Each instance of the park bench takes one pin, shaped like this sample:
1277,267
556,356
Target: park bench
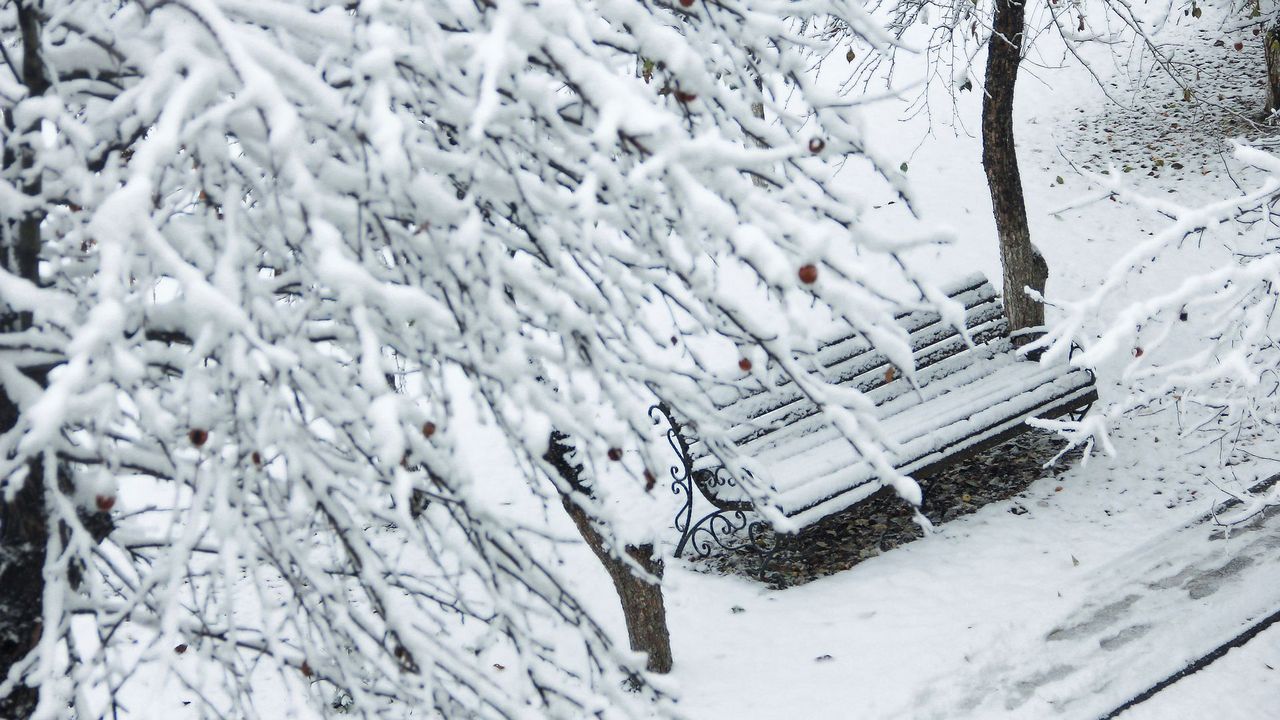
966,398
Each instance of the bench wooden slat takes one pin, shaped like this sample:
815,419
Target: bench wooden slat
932,342
869,378
990,392
964,397
932,439
923,327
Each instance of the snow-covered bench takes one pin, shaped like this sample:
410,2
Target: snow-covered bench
966,398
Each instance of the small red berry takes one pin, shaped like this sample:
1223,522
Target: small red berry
686,3
428,429
105,502
305,669
745,365
816,145
808,274
256,458
180,648
1137,352
1239,45
615,454
197,436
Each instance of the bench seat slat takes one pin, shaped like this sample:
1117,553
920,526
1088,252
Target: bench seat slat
840,500
813,462
921,434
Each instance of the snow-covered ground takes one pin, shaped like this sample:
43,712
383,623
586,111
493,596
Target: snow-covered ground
1096,593
1242,684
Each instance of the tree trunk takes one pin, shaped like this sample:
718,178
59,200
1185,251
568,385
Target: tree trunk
643,607
1271,49
24,530
1023,265
23,539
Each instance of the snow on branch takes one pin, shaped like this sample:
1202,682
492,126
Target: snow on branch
278,245
1206,342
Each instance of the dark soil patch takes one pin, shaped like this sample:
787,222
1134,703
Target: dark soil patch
1175,127
883,521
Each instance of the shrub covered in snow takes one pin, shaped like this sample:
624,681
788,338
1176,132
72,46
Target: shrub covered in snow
258,251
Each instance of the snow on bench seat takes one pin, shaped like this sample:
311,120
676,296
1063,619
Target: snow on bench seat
965,398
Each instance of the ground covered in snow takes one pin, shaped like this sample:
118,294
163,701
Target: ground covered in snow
1097,591
1242,684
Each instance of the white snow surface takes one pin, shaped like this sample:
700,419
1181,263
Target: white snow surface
1242,684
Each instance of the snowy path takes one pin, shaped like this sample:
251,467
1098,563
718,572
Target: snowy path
1242,684
1150,614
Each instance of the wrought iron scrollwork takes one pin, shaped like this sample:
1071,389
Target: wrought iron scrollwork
1080,413
725,525
723,528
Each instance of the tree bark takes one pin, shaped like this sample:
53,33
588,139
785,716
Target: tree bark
1271,49
1023,265
643,607
24,535
24,530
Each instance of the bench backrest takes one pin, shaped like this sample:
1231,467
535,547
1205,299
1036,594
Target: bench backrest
852,361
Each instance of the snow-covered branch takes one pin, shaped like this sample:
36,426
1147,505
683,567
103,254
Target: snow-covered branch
280,243
1207,343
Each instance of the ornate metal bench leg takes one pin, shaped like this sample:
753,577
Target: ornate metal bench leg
721,527
681,477
684,516
1079,414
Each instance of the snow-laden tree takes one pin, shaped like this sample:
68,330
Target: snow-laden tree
954,34
1208,345
256,253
